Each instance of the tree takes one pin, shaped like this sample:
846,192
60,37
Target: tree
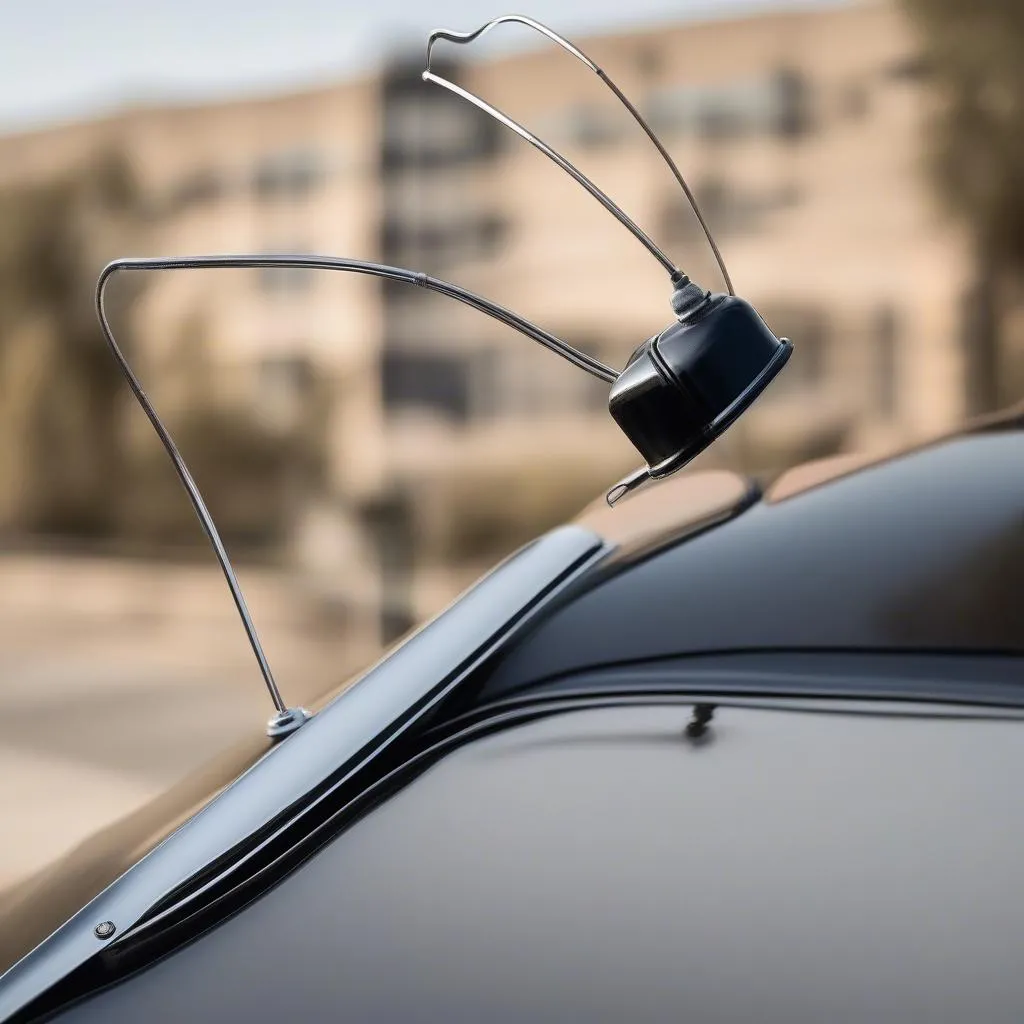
974,50
55,236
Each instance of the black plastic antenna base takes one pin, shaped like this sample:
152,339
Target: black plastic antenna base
684,387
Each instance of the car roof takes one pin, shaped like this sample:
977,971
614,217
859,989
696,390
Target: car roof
598,865
922,551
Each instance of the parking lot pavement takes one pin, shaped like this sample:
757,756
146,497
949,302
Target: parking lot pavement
119,677
116,681
81,752
50,803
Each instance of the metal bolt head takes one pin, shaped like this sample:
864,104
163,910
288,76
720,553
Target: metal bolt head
698,724
104,929
287,721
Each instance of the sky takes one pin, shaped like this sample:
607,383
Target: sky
65,59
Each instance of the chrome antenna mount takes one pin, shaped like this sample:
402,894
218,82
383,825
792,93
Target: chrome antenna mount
287,719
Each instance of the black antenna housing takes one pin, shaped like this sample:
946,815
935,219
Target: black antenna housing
682,388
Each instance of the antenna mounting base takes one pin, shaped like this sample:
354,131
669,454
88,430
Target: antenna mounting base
287,721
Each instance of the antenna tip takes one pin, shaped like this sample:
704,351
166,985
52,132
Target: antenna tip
617,492
627,484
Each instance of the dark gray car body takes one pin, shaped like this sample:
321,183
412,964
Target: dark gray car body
526,829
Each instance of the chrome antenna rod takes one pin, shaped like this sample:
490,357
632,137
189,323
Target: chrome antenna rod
616,211
285,719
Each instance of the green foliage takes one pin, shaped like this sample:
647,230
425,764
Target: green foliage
55,235
251,479
67,464
975,52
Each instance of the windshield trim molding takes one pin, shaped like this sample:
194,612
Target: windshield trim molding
355,726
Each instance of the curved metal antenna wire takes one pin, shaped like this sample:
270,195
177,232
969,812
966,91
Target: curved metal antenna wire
288,718
609,204
468,37
649,132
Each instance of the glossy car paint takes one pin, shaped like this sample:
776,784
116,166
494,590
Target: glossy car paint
914,559
363,720
924,552
793,865
35,908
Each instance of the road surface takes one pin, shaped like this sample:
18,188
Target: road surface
118,678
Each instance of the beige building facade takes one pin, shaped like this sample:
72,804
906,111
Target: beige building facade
801,133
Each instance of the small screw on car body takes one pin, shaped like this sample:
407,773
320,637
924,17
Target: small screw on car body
698,724
104,929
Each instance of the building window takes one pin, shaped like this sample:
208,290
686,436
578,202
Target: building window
649,61
792,104
424,129
589,395
808,327
507,384
285,280
854,101
450,241
779,106
433,381
490,235
887,340
396,293
727,208
679,226
288,174
585,126
285,385
201,187
912,67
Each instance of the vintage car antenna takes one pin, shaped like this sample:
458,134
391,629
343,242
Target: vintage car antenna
287,719
613,208
682,388
677,393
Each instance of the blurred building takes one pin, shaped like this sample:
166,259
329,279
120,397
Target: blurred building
802,136
800,132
